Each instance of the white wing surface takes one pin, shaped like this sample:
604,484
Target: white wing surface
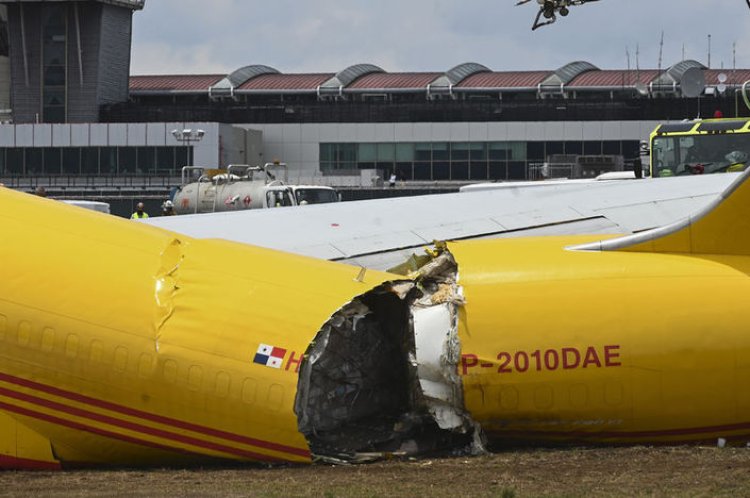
378,233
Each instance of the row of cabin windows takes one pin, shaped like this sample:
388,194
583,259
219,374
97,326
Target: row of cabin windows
47,340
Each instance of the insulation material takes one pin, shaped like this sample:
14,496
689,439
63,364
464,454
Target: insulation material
355,382
381,377
435,334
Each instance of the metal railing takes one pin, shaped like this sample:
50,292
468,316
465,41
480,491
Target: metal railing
93,182
313,111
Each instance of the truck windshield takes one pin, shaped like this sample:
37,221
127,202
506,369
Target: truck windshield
315,196
698,154
279,198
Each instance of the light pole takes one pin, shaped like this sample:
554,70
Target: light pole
187,137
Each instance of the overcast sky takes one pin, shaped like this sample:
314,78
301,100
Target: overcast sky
219,36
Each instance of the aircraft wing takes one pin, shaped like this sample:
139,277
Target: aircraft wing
379,233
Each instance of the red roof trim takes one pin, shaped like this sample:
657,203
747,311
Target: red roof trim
174,83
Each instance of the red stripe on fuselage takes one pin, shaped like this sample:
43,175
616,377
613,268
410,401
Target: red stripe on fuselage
13,463
584,435
206,431
85,428
131,426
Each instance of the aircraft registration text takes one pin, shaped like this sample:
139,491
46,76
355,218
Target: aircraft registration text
568,358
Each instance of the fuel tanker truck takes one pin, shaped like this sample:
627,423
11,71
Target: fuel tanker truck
240,187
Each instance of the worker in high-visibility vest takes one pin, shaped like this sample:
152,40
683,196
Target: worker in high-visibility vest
139,212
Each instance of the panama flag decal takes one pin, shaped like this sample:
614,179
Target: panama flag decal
269,356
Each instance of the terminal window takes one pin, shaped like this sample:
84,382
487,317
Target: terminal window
75,161
462,161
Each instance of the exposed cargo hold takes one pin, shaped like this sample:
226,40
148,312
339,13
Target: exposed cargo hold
241,187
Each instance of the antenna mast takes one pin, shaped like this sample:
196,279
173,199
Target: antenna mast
661,48
630,74
638,62
638,57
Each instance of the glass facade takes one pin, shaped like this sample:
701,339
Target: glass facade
4,46
94,160
469,161
54,63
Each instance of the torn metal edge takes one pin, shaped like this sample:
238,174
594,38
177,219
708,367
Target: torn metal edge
433,299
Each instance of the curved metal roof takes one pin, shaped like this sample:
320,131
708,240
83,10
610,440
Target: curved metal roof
465,78
243,75
678,70
457,74
346,77
673,75
568,72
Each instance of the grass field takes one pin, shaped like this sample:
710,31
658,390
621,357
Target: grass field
680,471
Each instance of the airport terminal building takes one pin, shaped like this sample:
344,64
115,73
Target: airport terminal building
74,118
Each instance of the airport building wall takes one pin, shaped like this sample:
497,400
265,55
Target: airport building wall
5,113
318,152
443,151
54,150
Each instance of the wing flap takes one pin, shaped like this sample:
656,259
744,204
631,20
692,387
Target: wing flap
722,227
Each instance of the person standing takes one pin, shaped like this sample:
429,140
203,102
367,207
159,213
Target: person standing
139,214
167,209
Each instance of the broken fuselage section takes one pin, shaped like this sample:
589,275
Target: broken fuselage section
151,363
129,345
381,377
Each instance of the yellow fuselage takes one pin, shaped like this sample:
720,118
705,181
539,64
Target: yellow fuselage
604,347
124,344
129,345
